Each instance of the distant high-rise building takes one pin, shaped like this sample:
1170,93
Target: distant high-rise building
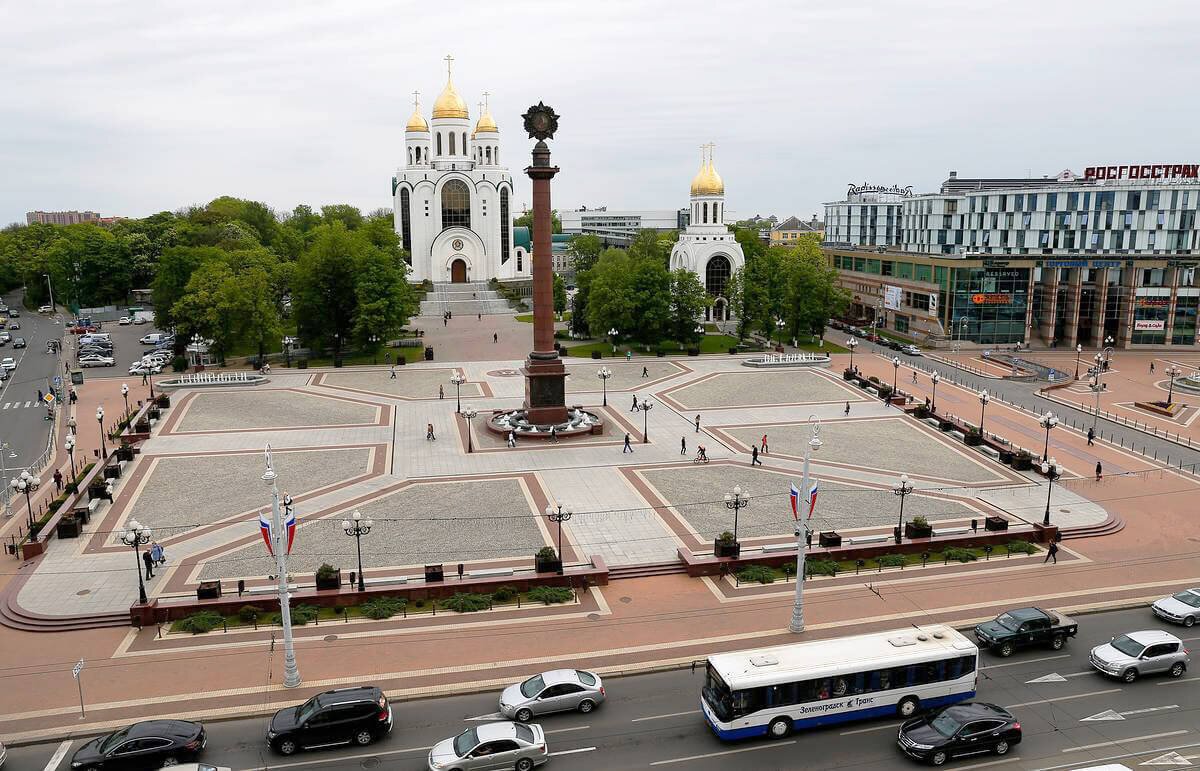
62,217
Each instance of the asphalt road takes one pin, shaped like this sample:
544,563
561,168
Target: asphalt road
652,721
23,423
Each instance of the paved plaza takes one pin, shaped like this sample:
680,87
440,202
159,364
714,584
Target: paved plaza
409,382
240,410
743,387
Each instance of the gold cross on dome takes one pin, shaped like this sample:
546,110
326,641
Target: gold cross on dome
417,100
486,94
449,61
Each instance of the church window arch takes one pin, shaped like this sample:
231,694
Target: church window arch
410,157
496,156
453,137
504,225
488,153
456,203
439,144
705,209
464,143
716,275
405,224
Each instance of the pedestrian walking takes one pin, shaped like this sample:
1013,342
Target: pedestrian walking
645,372
1091,437
764,444
156,553
1052,553
914,376
1099,471
495,337
512,439
58,479
149,563
40,394
635,404
445,321
393,375
429,437
75,396
629,355
481,317
683,445
628,447
441,393
847,408
697,422
143,383
754,456
1151,368
554,434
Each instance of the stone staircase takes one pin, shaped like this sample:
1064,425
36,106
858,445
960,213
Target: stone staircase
467,299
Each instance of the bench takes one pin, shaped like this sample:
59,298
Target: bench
990,451
934,422
778,547
863,539
490,572
958,435
270,589
93,505
873,391
385,581
952,530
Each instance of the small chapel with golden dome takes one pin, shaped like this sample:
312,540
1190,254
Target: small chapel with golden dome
453,199
706,247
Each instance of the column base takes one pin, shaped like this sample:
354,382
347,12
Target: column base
545,389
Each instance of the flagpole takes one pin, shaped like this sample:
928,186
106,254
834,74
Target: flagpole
797,623
291,673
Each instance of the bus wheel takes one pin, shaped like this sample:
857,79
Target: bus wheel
908,706
779,728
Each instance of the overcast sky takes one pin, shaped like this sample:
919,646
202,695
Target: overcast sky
130,108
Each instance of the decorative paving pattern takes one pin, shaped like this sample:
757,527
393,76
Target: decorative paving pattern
737,389
695,493
424,523
408,384
883,444
190,490
625,377
242,410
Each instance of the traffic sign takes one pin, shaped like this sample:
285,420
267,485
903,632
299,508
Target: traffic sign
58,380
75,670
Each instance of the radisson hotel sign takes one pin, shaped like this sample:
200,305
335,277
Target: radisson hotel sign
1144,171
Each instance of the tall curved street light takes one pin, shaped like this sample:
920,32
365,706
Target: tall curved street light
814,443
903,489
934,378
137,536
356,527
983,402
1097,388
1052,471
735,502
24,484
646,405
69,445
291,672
557,515
100,420
1078,352
612,335
125,396
469,413
604,374
895,374
851,343
779,325
458,379
1172,373
1047,422
1108,351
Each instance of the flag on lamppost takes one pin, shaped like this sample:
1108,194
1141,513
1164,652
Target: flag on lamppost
795,502
289,524
812,498
264,526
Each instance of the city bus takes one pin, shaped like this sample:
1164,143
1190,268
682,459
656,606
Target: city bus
773,691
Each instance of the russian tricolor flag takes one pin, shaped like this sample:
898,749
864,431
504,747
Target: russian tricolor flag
812,498
290,525
264,526
795,502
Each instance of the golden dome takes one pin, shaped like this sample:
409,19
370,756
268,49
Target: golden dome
417,121
486,124
449,104
707,181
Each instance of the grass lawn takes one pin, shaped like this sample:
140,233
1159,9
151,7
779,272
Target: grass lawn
528,317
358,358
708,344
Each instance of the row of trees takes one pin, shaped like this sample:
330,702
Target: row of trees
232,271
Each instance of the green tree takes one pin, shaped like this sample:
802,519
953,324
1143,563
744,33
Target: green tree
688,301
325,299
610,303
175,269
526,221
560,294
585,250
208,309
344,213
255,304
651,294
384,298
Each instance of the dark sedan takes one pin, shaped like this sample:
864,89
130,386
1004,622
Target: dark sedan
972,728
150,744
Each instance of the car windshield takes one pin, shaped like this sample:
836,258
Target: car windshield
306,710
524,732
718,696
533,686
114,739
1188,598
945,724
587,678
1007,621
1127,645
465,742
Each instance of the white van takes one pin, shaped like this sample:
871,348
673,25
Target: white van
94,337
154,338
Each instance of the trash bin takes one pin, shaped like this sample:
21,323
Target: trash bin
429,353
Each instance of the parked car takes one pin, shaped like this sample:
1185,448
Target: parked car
558,690
5,337
15,325
895,345
154,338
492,745
46,309
92,350
142,368
1023,627
912,350
96,360
973,728
146,745
357,715
5,374
1134,654
19,342
1180,608
199,767
8,363
140,320
14,313
124,321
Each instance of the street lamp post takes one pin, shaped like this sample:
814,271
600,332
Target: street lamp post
291,672
557,515
69,444
469,413
604,374
150,377
934,378
374,341
1108,351
814,443
779,325
125,396
1078,351
1172,373
1052,471
24,484
646,405
851,343
1047,422
357,527
735,502
904,489
6,447
1097,388
612,336
983,402
458,379
100,420
895,374
137,536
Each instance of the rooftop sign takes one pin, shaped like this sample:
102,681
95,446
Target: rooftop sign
1144,171
904,192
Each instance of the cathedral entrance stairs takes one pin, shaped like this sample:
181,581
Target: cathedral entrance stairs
468,298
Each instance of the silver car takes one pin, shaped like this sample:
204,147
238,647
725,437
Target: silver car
491,745
559,690
1141,653
1180,608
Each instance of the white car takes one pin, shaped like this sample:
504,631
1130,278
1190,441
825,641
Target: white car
911,350
45,309
155,359
96,360
124,321
8,363
140,320
1180,608
142,368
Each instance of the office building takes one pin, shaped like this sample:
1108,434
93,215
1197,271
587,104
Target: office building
618,228
63,217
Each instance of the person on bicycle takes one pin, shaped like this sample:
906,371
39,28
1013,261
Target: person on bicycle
701,454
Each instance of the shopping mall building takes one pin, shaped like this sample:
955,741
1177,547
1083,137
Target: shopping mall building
1061,260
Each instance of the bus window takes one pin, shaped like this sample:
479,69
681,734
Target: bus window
840,686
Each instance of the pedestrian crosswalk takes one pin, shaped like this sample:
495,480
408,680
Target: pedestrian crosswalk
18,405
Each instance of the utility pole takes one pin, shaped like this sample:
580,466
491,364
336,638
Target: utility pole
291,673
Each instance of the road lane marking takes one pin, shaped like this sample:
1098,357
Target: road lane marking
58,755
1053,677
1109,758
1123,741
572,752
339,759
669,714
564,730
1062,698
1178,680
489,716
719,754
868,730
1027,661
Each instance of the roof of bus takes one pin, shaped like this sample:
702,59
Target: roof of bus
764,665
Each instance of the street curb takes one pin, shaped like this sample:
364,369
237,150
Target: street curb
221,715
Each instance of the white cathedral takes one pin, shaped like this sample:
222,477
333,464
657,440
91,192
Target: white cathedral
453,200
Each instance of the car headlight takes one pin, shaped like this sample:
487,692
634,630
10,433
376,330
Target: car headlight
436,764
921,746
271,734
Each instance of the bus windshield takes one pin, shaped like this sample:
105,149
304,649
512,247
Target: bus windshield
718,696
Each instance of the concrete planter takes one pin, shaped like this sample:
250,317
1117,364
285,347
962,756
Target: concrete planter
995,524
916,531
829,539
726,549
329,582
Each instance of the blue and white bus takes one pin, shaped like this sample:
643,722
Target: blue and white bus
772,691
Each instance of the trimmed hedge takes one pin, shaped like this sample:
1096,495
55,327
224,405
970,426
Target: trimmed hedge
550,594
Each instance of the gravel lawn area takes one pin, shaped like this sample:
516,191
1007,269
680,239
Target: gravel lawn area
229,410
754,389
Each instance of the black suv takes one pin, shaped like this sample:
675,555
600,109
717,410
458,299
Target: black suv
973,728
146,745
347,715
